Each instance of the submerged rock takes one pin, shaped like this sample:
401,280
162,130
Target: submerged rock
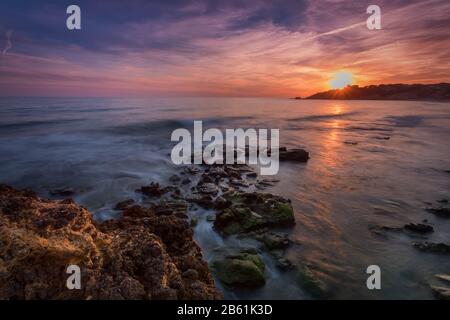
418,227
443,277
62,192
273,240
442,293
241,270
253,211
298,155
153,190
439,211
124,204
432,247
310,283
140,256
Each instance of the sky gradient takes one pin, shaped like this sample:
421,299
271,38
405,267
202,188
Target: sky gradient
217,48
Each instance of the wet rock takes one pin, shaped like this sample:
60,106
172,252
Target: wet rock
221,203
238,183
418,228
194,221
273,240
208,188
253,211
166,207
310,283
252,175
62,192
186,181
444,277
439,211
241,270
442,293
210,218
379,230
174,178
153,190
283,263
298,155
441,248
265,183
140,256
191,170
124,204
205,200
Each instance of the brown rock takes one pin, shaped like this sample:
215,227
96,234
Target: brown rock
140,256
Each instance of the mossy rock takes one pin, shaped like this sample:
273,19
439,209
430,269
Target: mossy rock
241,270
309,282
254,211
273,240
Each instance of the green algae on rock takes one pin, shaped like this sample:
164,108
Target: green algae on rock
253,211
245,269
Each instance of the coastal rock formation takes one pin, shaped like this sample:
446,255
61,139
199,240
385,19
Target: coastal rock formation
253,211
443,212
441,248
244,269
140,256
440,91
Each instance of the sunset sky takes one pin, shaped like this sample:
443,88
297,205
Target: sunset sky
217,48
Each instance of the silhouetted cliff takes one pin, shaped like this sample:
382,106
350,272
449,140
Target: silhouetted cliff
439,91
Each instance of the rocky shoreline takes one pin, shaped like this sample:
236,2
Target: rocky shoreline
143,255
150,252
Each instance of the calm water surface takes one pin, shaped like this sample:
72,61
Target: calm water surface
372,162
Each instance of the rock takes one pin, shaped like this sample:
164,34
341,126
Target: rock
210,218
443,201
153,190
283,263
241,270
273,240
252,175
439,211
442,293
206,178
221,203
309,282
205,200
191,170
298,155
194,221
208,188
418,227
353,143
174,178
124,204
432,247
186,181
379,230
253,211
140,256
62,192
176,207
444,277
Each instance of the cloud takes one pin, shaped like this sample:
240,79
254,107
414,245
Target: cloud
214,47
8,44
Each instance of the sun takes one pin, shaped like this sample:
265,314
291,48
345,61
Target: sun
341,80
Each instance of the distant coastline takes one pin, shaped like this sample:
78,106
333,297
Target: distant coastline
440,91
